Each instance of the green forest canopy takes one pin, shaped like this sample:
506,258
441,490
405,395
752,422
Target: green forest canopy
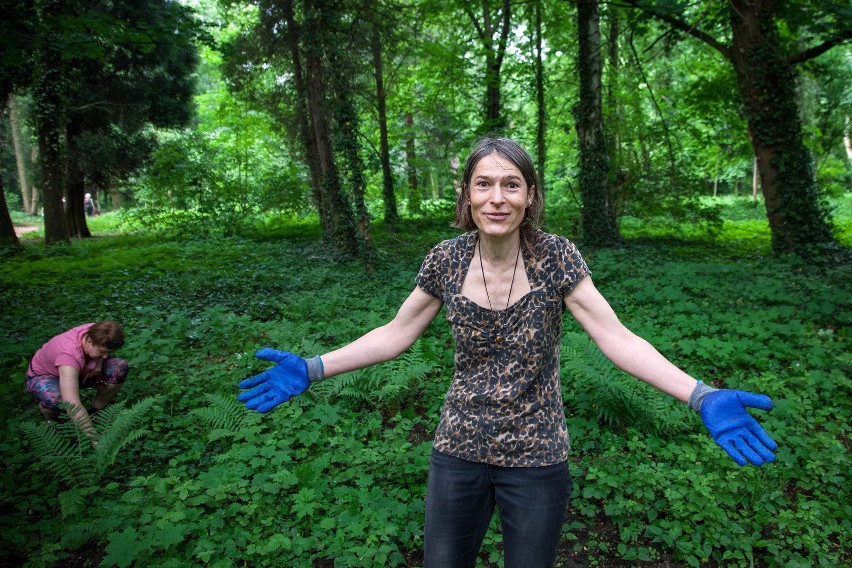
361,110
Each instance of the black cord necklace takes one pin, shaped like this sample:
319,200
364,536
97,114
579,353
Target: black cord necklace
512,285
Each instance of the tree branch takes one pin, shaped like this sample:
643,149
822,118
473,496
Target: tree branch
814,52
682,25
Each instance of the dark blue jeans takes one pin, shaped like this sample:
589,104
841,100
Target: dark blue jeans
460,500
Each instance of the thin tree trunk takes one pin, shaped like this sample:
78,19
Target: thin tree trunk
541,122
494,122
597,219
847,141
308,142
391,211
754,181
414,200
35,192
20,156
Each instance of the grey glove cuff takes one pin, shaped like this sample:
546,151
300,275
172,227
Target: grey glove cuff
316,370
697,397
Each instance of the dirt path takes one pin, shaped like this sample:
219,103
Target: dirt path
24,229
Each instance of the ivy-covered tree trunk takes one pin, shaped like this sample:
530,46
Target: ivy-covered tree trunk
334,206
767,82
391,210
47,93
597,217
347,143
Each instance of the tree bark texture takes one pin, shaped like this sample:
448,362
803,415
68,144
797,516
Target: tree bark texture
597,218
767,84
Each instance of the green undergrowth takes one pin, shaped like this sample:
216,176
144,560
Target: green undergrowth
338,475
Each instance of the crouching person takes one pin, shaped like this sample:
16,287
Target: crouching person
79,358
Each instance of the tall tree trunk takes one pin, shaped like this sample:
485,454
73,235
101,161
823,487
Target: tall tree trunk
391,211
308,141
541,117
597,219
20,157
335,207
414,198
494,122
767,83
47,93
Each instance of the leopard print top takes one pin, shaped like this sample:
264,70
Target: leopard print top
504,406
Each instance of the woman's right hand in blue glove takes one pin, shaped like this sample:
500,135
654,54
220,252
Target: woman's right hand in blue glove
279,384
733,428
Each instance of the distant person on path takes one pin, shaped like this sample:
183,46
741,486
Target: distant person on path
502,439
79,358
89,205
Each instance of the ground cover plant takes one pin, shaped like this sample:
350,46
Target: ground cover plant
337,477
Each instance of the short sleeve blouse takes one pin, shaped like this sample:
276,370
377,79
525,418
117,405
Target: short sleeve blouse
504,406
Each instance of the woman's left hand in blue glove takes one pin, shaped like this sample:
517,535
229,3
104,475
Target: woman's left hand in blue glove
725,415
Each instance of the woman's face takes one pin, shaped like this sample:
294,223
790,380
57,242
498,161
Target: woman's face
499,196
94,351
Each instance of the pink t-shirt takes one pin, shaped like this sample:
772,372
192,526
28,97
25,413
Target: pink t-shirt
64,349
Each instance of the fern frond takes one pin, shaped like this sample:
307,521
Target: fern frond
121,427
224,415
72,502
384,384
55,451
615,399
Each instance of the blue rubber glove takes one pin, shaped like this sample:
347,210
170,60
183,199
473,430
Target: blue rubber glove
279,384
725,415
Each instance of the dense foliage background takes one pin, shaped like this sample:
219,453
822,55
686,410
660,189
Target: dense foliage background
273,173
337,477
